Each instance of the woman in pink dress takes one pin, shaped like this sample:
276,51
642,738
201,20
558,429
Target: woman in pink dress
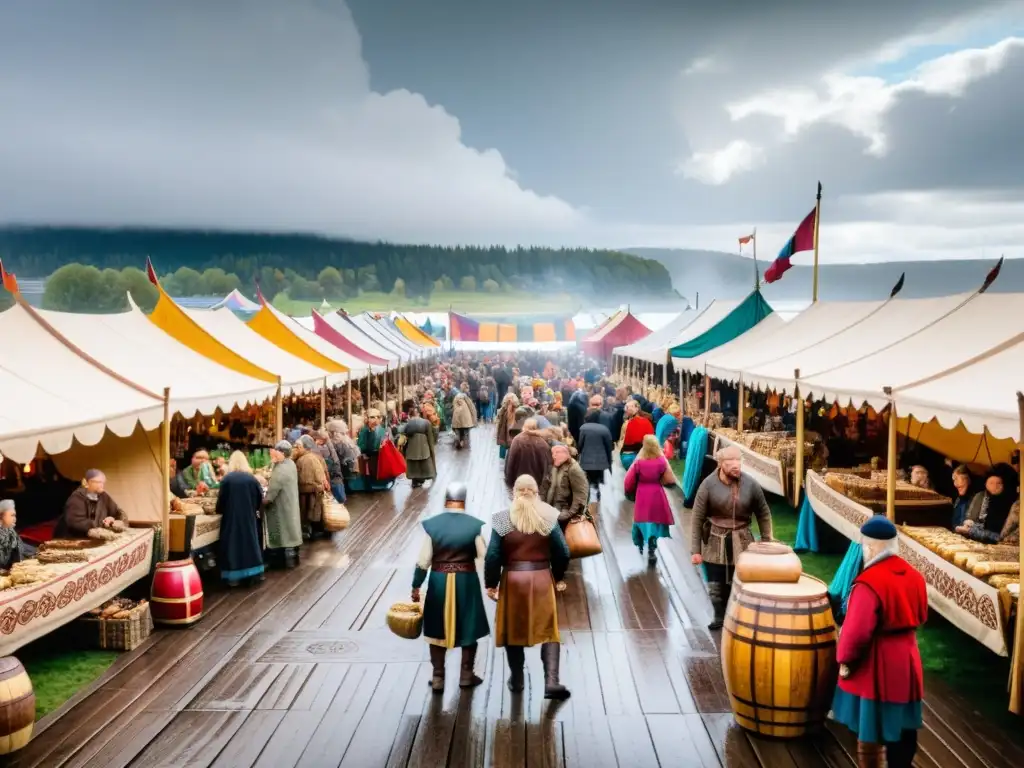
647,478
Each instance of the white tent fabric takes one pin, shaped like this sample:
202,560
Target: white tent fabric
915,353
981,392
714,313
353,334
896,319
654,348
235,300
52,395
297,376
359,368
748,344
133,347
369,325
813,326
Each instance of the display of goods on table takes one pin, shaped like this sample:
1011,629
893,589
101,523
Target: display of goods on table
780,446
981,560
869,489
119,624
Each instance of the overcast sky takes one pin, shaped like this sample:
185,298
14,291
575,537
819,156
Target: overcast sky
578,122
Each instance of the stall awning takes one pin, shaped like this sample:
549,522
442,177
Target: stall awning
133,347
53,394
654,348
738,320
622,329
414,334
277,327
369,328
749,343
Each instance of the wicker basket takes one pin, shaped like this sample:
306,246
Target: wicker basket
336,517
120,634
406,620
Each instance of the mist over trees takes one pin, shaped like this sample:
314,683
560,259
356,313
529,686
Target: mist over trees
309,267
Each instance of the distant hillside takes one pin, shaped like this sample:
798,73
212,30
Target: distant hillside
310,267
715,274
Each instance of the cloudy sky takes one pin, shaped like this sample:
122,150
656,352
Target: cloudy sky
579,122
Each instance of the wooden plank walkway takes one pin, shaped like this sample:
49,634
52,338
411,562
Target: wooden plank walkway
303,672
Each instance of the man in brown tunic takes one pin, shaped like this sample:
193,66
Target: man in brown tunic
529,454
90,506
725,506
524,565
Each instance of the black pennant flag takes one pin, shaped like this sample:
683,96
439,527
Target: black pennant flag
898,287
991,276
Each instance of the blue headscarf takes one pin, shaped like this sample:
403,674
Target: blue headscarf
667,424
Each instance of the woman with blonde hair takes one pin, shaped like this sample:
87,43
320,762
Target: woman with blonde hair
241,538
652,514
524,566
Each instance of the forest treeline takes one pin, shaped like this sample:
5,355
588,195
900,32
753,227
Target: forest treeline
309,267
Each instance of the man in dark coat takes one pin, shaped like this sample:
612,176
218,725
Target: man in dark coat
595,449
502,380
89,507
528,454
577,407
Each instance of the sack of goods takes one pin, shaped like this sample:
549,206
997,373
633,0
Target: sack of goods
336,517
406,620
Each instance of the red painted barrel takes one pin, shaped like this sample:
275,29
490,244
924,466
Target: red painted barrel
177,594
17,706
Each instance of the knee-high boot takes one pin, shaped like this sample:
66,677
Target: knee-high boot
437,653
553,689
870,755
716,593
467,677
516,658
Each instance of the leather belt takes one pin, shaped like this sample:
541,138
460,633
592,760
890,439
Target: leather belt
453,567
528,565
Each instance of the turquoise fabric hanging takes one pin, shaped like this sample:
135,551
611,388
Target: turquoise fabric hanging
696,449
842,583
806,529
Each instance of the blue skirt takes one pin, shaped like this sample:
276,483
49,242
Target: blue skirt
627,460
863,717
644,532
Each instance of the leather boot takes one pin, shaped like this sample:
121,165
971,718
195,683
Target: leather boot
437,662
870,755
516,658
549,654
467,678
716,593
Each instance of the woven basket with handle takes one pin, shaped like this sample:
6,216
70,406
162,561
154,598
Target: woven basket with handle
406,620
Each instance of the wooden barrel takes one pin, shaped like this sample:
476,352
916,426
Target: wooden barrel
779,656
17,706
177,594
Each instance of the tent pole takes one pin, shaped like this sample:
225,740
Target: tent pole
893,460
323,405
664,371
384,390
348,408
740,401
707,400
366,405
798,469
165,475
1017,663
279,412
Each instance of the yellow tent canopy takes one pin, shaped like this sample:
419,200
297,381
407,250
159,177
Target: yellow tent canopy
271,327
414,334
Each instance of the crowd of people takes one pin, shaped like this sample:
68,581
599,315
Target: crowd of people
558,425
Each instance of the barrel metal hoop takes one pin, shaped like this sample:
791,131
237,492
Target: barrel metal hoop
756,641
788,632
783,609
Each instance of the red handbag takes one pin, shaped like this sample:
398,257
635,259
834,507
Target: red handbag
390,461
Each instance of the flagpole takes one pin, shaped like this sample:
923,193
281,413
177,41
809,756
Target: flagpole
757,274
817,223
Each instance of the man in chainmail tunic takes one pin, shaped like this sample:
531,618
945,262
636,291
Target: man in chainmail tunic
725,506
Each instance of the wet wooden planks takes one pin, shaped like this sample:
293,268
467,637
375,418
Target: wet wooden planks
303,672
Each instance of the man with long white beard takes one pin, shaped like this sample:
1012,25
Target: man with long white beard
725,506
881,683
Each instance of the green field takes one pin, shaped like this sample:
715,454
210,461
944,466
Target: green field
440,301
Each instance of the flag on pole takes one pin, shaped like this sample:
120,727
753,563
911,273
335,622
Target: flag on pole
259,292
991,276
151,273
898,287
746,240
8,280
802,240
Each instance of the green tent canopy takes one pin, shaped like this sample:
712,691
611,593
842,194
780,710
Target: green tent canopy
751,311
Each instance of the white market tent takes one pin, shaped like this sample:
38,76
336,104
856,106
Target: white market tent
746,344
352,334
400,345
54,395
358,367
654,347
715,312
925,344
237,302
813,326
297,376
980,392
131,346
